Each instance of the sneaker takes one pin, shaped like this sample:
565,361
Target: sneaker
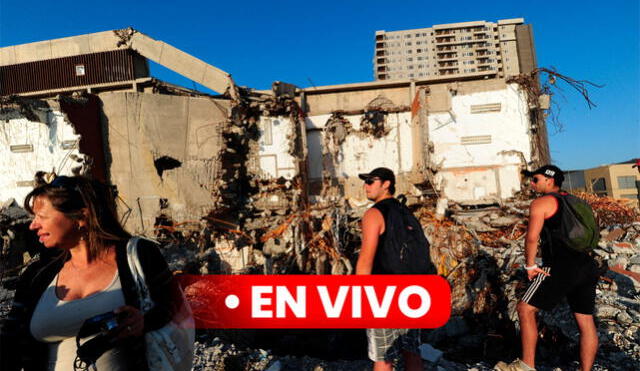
516,365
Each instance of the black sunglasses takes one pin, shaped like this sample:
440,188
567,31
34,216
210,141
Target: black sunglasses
370,181
535,180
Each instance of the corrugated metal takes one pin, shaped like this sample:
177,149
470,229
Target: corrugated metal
106,67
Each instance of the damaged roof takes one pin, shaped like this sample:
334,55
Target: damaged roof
118,40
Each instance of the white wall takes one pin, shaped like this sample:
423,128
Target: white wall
473,171
275,159
47,153
362,153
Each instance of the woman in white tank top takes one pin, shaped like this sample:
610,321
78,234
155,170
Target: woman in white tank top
76,216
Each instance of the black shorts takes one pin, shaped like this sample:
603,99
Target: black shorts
577,284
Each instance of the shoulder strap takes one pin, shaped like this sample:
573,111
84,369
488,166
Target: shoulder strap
138,274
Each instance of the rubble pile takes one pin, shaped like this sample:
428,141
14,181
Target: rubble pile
610,211
478,250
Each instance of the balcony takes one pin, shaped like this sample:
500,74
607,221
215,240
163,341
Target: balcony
381,45
379,37
381,53
447,56
446,48
486,68
382,76
381,60
448,71
448,39
382,69
447,64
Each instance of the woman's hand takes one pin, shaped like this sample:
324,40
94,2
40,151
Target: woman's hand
130,322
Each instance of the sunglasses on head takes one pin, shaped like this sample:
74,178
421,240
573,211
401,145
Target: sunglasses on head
370,181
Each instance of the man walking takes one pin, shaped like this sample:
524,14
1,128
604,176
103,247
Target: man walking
566,272
384,345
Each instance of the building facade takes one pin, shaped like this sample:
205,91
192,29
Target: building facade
621,181
465,50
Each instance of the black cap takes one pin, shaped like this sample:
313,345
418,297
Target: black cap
382,173
550,171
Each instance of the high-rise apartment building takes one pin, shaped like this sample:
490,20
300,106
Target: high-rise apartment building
468,49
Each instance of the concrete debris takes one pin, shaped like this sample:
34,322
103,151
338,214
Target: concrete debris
17,245
478,250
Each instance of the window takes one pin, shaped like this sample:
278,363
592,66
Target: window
599,184
408,43
409,59
630,196
627,182
418,50
407,36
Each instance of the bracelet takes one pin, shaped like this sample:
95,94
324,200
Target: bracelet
531,267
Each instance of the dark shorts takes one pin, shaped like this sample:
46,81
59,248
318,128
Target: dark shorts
577,284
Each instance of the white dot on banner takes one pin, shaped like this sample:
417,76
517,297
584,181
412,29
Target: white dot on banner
232,301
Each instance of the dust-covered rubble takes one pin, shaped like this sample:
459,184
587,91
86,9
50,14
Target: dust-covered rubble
480,251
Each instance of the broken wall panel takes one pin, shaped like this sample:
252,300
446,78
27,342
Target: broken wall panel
354,151
43,142
275,157
143,128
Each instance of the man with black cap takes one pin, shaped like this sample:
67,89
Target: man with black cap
564,273
384,344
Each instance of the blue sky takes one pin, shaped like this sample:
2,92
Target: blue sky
331,42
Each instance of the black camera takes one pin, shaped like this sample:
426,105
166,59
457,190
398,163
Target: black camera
100,323
90,350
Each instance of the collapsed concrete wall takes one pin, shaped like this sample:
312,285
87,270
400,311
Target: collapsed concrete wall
164,155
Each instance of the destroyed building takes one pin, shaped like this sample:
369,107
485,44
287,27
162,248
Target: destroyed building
246,161
266,181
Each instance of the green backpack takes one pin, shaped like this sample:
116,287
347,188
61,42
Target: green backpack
578,227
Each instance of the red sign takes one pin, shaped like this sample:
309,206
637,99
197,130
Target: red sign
318,301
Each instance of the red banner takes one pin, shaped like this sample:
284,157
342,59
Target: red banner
318,301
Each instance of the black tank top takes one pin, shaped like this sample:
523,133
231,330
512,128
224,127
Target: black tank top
383,206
